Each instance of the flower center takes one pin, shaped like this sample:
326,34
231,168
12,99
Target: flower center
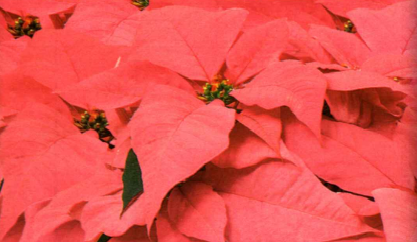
217,90
141,4
349,27
97,121
25,26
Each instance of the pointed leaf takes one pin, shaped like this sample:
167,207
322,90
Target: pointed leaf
22,138
101,183
47,155
385,155
18,90
304,47
132,180
102,215
346,48
344,156
290,205
304,12
300,88
121,86
183,39
264,123
392,65
392,29
53,219
197,211
174,133
256,49
58,58
106,20
67,205
245,149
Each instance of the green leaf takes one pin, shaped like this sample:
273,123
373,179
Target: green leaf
103,238
132,180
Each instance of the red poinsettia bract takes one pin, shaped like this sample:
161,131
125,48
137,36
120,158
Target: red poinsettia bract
168,120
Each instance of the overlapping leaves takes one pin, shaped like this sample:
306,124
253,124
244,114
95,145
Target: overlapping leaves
209,169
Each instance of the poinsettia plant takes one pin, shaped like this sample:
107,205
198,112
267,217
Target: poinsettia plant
169,120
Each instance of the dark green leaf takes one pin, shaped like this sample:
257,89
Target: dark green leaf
132,180
104,238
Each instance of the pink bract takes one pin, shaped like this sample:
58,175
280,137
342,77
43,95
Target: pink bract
232,120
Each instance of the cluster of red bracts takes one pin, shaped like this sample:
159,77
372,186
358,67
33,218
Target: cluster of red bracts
176,120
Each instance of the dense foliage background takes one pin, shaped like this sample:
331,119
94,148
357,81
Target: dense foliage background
208,120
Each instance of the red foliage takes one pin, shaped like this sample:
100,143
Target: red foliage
250,120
